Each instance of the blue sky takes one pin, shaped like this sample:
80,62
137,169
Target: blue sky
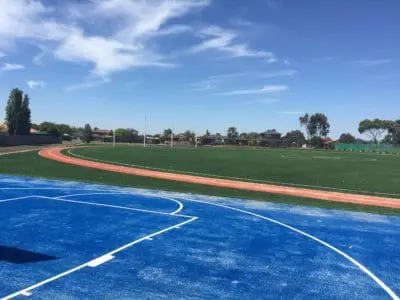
202,64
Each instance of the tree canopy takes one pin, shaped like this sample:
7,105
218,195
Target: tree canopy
318,125
232,134
295,137
127,135
374,128
347,138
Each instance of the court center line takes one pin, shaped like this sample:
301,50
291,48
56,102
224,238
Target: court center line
111,253
115,206
387,289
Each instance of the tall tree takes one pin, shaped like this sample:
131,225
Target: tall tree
347,138
232,134
374,128
207,133
13,111
304,120
87,133
189,136
25,123
318,125
295,137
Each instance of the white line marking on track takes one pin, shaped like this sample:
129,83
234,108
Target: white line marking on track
387,289
111,253
27,294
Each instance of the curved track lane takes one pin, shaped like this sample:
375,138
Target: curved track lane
55,154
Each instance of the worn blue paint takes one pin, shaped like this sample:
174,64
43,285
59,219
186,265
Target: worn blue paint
222,254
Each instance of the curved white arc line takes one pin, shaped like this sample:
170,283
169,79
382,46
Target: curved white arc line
180,204
388,290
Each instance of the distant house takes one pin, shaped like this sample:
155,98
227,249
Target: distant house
102,135
214,139
270,138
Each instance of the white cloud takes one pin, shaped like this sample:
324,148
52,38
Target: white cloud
372,63
12,67
219,39
33,84
122,44
280,73
87,84
267,89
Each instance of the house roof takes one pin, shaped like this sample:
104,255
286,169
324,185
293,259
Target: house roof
102,131
4,128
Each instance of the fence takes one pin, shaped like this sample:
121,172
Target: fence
18,140
378,148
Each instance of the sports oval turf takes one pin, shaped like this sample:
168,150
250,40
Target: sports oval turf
356,172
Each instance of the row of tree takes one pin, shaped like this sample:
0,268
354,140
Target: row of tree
18,113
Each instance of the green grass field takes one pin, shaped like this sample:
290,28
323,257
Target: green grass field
350,172
30,164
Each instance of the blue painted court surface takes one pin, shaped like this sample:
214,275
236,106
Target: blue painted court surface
65,240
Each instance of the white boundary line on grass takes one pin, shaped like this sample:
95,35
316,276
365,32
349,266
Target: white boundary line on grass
387,289
102,258
228,177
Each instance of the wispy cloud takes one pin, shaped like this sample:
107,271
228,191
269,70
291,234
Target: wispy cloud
273,5
34,84
12,67
267,89
219,39
212,82
280,73
290,112
372,63
2,54
87,84
262,101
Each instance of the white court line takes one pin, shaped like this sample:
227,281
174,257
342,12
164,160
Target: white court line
229,177
18,198
115,206
87,264
387,289
180,204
